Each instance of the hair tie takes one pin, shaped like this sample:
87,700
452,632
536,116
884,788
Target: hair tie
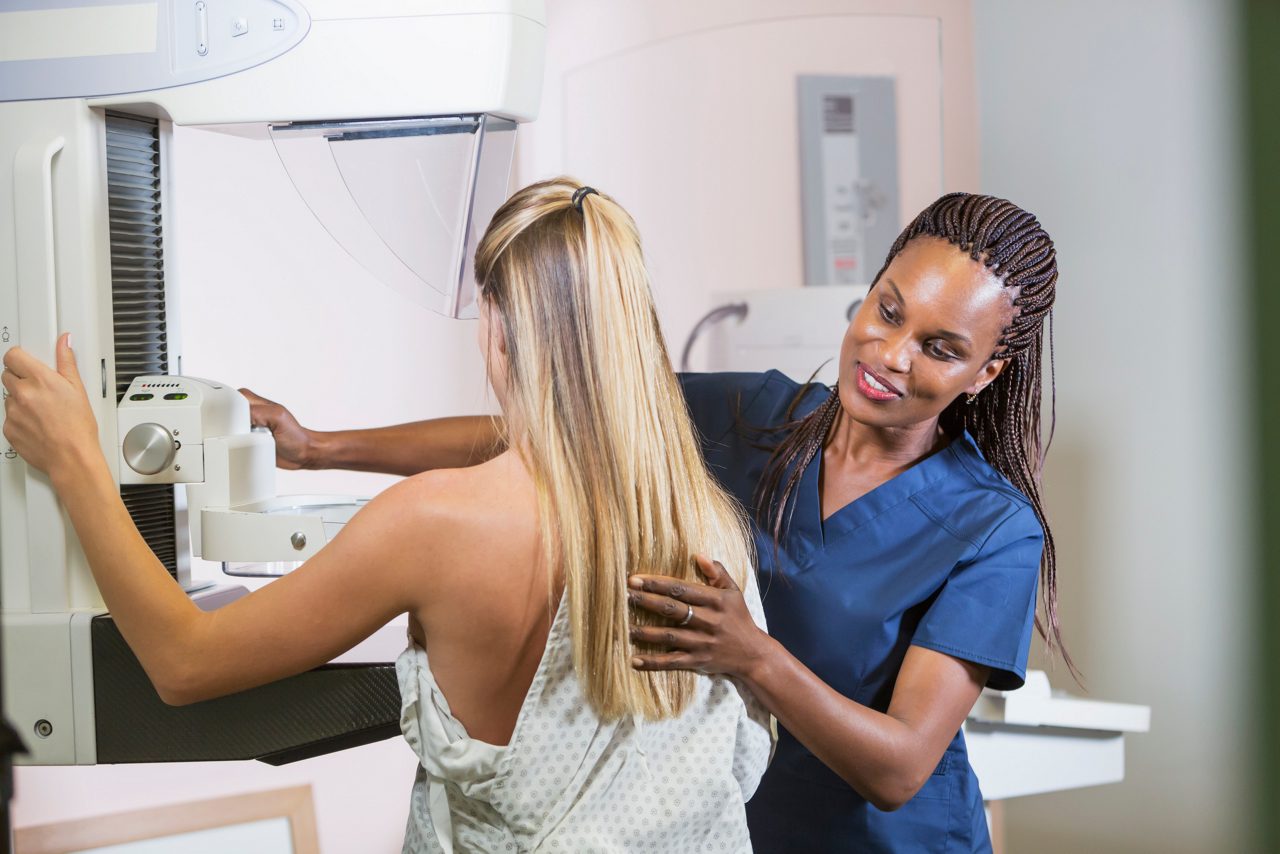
580,194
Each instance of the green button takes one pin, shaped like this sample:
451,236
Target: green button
141,396
176,395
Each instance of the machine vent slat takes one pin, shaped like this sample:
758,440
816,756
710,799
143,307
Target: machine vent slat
134,187
139,209
132,166
134,194
132,251
134,256
138,326
137,260
138,303
130,198
133,227
137,213
126,141
136,159
141,276
131,162
142,285
151,506
138,299
125,122
134,327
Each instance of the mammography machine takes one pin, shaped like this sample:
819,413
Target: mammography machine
395,120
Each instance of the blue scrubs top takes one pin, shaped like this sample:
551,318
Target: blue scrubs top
946,556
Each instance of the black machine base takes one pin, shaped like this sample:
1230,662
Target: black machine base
321,711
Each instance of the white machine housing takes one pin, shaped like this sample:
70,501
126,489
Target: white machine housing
196,432
86,255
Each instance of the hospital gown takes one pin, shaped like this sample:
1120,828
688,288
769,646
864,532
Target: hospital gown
570,782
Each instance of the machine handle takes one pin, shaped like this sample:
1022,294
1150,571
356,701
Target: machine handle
38,332
33,230
738,310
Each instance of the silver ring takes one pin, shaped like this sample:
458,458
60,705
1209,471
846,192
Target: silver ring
687,617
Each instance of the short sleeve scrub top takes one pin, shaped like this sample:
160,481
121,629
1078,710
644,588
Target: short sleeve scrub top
944,556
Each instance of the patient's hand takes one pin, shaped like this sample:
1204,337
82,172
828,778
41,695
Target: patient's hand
294,443
48,419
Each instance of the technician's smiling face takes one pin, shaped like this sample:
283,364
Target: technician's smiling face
923,337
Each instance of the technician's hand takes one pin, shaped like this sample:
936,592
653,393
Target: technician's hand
293,441
720,637
48,419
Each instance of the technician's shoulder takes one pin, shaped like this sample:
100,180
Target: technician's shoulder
976,503
718,402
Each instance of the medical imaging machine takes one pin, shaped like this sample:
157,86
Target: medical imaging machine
395,120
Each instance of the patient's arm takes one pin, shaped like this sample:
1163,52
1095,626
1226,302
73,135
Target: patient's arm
295,623
291,625
404,449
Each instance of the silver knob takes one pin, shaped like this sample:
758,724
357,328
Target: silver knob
299,540
149,448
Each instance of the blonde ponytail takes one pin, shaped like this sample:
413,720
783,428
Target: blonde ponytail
604,430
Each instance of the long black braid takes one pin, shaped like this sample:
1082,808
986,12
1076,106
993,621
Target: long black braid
1005,419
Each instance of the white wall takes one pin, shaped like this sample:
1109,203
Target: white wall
1115,123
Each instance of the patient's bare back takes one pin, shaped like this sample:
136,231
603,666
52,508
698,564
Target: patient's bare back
484,612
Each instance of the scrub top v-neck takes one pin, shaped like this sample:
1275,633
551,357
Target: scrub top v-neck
944,556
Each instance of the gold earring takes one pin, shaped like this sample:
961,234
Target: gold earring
972,397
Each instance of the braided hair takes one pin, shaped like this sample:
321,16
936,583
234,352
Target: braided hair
1005,420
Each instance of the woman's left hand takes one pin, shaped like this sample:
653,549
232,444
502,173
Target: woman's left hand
719,637
48,420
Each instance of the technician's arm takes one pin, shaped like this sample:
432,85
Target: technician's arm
404,449
291,625
884,756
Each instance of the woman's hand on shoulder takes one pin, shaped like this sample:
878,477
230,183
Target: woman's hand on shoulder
707,628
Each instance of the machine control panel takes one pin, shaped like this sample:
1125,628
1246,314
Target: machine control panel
139,46
163,422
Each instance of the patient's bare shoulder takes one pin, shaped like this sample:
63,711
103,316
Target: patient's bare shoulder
463,496
468,517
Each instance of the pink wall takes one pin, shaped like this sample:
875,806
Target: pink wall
686,113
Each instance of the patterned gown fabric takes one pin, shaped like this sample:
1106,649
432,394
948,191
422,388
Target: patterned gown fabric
569,782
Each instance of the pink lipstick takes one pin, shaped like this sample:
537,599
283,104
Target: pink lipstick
874,386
